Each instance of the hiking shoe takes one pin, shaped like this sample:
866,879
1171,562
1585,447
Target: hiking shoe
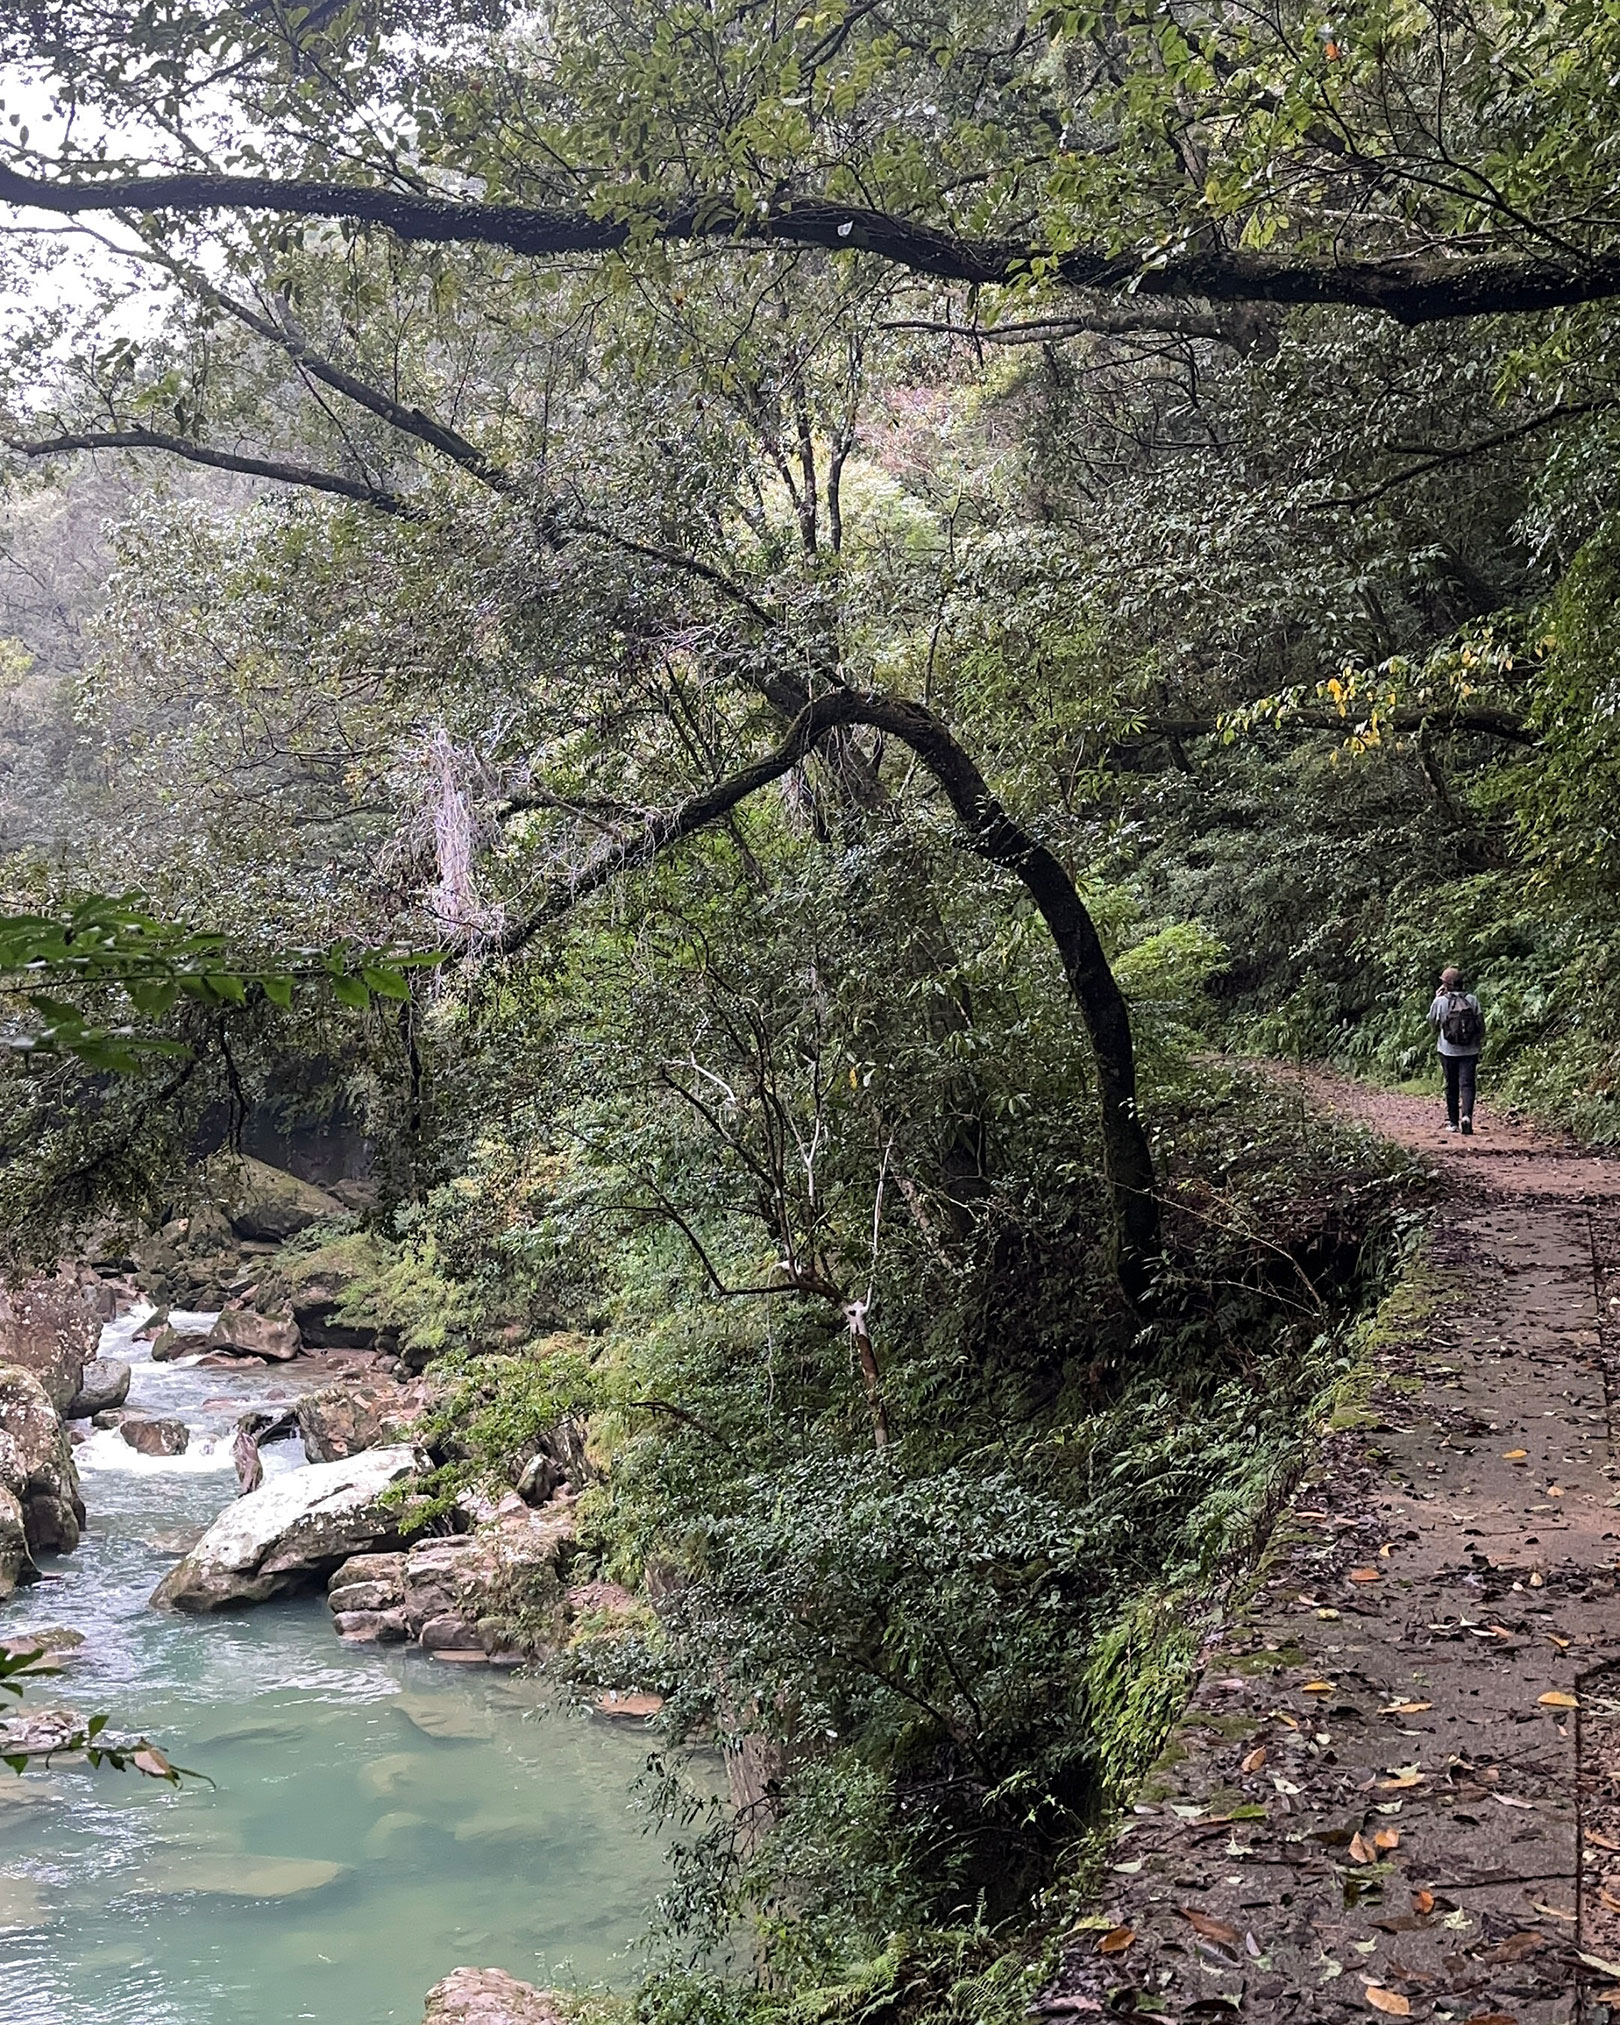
1467,1126
1450,1127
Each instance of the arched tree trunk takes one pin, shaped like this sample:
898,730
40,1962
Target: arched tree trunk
993,835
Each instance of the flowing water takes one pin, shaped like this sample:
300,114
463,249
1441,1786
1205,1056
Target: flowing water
376,1817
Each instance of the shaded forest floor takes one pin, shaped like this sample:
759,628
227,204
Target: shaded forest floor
1384,1798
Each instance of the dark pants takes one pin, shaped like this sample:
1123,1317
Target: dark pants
1459,1085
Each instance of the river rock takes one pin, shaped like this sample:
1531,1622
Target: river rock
290,1532
244,1332
489,1997
342,1420
16,1564
371,1627
36,1463
155,1434
46,1328
225,1874
103,1385
170,1343
267,1202
328,1289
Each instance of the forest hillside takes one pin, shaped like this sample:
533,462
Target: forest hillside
702,706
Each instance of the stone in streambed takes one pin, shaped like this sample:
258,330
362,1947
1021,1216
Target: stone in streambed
103,1384
489,1997
371,1627
22,1904
388,1829
170,1343
244,1332
439,1717
222,1874
36,1463
155,1434
291,1531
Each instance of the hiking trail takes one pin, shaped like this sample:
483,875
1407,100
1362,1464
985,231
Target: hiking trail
1370,1806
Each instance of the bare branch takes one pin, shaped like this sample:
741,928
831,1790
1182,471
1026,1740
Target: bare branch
276,469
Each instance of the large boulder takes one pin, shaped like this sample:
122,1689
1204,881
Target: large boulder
103,1384
342,1420
155,1434
332,1291
243,1332
267,1202
290,1532
171,1343
489,1997
36,1463
16,1563
47,1327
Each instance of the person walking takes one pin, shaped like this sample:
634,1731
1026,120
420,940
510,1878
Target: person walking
1460,1027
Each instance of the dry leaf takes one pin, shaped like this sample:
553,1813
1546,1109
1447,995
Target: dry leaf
1359,1852
1561,1643
1538,1581
1406,1708
1254,1760
1210,1928
1387,1838
1514,1454
1608,1898
1601,1841
1386,1550
1116,1941
1280,1716
1365,1575
1507,1800
1319,1687
152,1763
1389,2000
1557,1699
1423,1901
1555,1490
1553,1912
1401,1782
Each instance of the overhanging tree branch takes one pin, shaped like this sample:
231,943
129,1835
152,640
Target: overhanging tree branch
1417,288
282,472
992,834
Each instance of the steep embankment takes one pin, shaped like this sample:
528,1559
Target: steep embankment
1371,1805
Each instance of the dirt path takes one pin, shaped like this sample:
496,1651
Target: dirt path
1370,1808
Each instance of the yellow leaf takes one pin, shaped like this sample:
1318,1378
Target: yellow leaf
1388,2000
1365,1575
1406,1708
1387,1838
1318,1687
1116,1941
1515,1454
1557,1699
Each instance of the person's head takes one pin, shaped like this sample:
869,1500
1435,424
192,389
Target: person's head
1451,978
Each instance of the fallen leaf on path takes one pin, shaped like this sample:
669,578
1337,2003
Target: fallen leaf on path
1210,1928
1386,1550
1406,1708
1561,1643
1423,1901
1602,1841
1389,2000
1282,1716
1553,1912
1254,1760
1538,1582
1359,1851
1319,1687
1555,1490
1555,1698
1514,1454
1387,1838
1507,1800
1116,1941
1365,1575
1603,1967
1610,1899
1401,1782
